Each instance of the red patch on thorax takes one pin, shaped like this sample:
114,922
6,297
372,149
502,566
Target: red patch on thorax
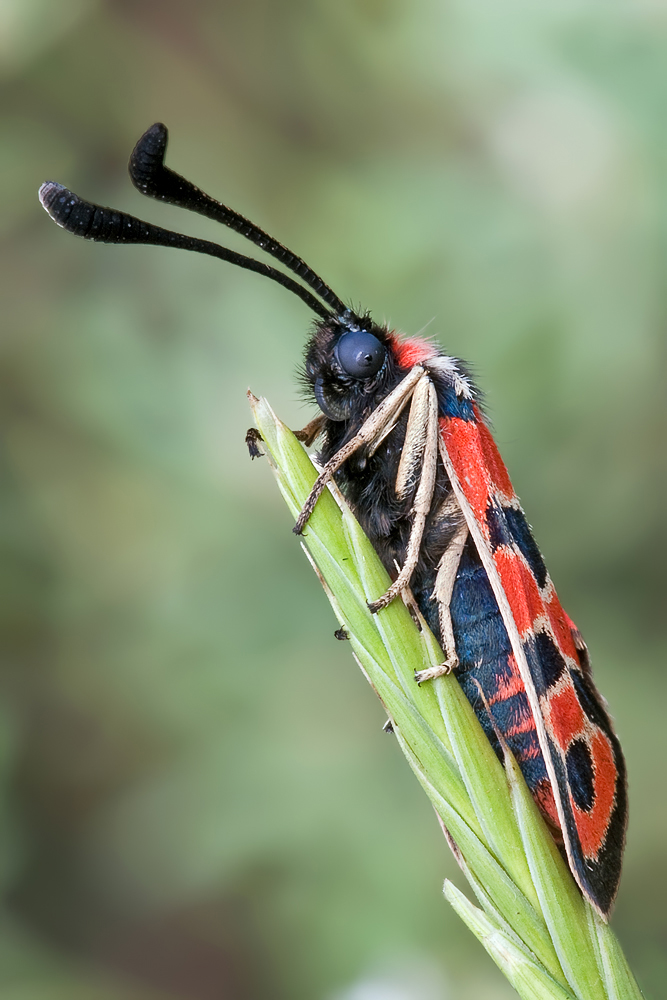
412,351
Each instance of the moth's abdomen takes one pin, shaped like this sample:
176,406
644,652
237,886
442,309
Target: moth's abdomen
486,662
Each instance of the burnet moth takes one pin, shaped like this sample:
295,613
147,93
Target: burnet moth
403,434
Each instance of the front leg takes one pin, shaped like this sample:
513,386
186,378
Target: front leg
442,593
309,434
428,410
374,427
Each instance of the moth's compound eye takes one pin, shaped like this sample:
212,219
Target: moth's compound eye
360,354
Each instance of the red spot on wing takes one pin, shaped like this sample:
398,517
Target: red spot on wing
562,626
477,462
412,351
564,715
592,826
464,447
521,589
496,467
568,621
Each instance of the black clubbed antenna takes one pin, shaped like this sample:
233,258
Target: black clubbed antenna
151,177
106,225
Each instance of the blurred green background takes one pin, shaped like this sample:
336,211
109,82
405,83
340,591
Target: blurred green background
197,800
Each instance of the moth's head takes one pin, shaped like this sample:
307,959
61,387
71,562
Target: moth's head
348,362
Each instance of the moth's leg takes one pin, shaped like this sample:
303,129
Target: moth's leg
376,424
415,440
421,507
311,431
442,593
413,607
444,588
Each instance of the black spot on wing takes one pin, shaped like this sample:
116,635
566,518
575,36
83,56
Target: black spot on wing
546,661
496,521
580,774
522,535
589,700
508,526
